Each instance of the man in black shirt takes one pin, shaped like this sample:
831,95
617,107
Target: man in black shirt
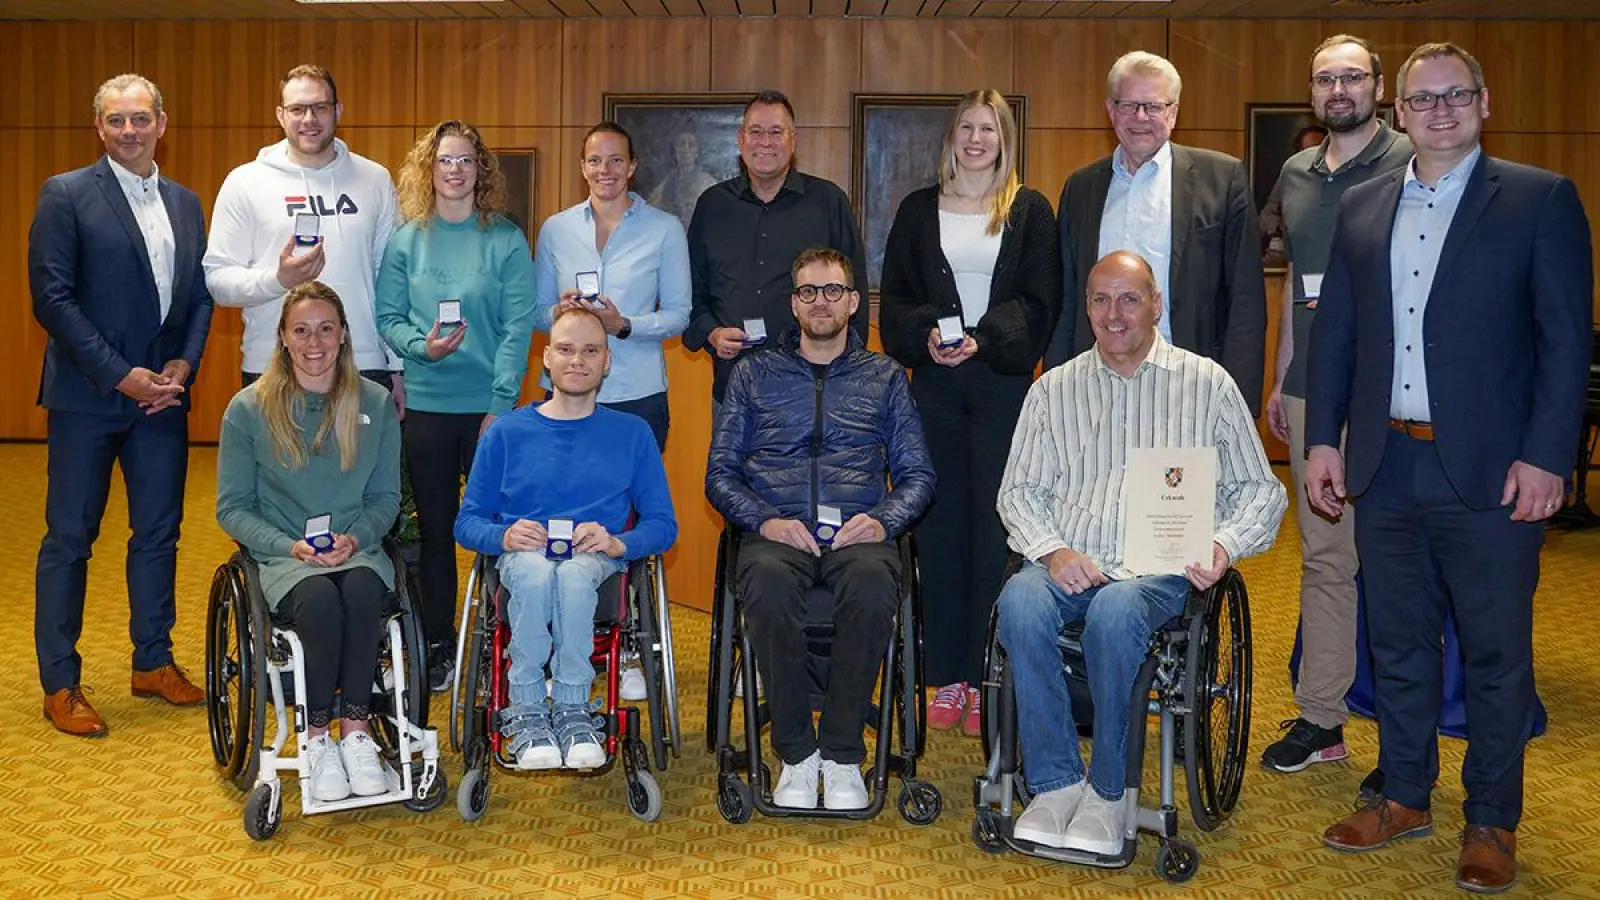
747,232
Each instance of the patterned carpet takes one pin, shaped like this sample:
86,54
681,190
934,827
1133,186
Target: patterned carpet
142,813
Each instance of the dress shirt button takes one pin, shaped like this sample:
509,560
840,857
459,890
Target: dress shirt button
1406,386
1411,309
1408,348
1416,273
1422,237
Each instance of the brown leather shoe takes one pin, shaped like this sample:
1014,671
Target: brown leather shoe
1375,824
70,712
1488,859
168,683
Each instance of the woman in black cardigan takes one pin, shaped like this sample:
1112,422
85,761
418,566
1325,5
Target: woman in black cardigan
980,246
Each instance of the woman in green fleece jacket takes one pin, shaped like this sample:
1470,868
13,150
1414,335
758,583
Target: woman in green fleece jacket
312,438
455,300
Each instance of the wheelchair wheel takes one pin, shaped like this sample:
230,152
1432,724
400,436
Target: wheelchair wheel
669,667
472,796
262,813
735,800
644,796
433,798
1177,861
235,672
720,671
652,661
920,802
413,704
469,621
1217,730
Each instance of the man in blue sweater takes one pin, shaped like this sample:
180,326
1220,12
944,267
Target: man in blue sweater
806,434
570,462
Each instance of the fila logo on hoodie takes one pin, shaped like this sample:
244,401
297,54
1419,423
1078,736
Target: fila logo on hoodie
316,204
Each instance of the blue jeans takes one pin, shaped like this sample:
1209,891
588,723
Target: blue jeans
1119,619
552,601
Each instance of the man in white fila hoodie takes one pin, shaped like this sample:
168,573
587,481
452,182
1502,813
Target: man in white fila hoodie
254,255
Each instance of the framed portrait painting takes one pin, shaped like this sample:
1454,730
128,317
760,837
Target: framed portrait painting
684,143
896,143
1273,133
520,168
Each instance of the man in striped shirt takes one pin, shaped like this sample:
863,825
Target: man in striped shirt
1061,501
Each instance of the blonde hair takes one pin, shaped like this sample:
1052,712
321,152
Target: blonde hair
417,196
283,400
1007,184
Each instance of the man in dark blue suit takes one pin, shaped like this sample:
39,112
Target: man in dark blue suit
1454,337
114,266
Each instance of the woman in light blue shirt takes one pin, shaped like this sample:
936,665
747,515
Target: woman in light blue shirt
639,257
455,300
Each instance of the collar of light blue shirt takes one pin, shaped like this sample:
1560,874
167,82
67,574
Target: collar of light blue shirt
633,207
1160,161
1457,175
134,186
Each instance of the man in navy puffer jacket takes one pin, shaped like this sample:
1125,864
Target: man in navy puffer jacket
809,427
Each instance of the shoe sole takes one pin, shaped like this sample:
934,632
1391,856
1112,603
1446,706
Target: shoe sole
777,801
1318,756
541,764
382,789
1042,838
82,734
584,762
157,695
836,807
1092,847
1418,832
1480,889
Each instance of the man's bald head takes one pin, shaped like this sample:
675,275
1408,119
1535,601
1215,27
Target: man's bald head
1124,305
1129,262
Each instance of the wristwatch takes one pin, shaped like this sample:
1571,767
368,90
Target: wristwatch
625,330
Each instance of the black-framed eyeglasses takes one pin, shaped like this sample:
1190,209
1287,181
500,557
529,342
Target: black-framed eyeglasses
1152,108
758,134
301,110
834,292
1455,97
1350,80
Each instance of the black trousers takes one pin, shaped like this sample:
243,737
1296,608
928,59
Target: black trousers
1424,552
968,415
438,449
772,581
339,618
652,409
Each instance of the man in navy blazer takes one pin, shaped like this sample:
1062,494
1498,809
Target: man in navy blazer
1186,211
114,268
1453,337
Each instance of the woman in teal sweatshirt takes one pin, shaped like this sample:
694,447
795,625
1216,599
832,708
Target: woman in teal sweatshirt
455,299
310,439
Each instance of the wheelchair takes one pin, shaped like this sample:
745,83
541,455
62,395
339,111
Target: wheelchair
744,781
632,612
1197,677
251,664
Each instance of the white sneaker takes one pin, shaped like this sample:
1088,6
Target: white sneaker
842,787
1097,826
797,784
363,766
1046,819
632,687
328,782
738,683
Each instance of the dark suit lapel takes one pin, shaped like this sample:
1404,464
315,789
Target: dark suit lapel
1095,199
111,190
1482,185
1183,178
1382,270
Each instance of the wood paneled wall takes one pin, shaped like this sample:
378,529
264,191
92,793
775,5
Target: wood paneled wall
539,84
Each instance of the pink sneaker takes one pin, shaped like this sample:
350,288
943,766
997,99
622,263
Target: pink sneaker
944,713
972,722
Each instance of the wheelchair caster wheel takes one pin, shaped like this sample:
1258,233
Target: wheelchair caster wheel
735,800
1177,861
262,813
644,797
986,834
920,802
472,797
431,799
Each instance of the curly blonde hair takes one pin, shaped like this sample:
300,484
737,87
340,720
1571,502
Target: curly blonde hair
417,197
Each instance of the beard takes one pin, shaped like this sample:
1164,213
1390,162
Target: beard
823,328
310,146
1353,120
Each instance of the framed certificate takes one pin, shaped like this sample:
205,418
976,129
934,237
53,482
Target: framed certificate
1169,497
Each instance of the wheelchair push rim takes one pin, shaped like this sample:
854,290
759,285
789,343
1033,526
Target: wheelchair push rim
1217,729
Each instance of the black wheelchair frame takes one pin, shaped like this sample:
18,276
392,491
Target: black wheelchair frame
1197,675
744,781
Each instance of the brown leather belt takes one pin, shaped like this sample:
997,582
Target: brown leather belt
1422,431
